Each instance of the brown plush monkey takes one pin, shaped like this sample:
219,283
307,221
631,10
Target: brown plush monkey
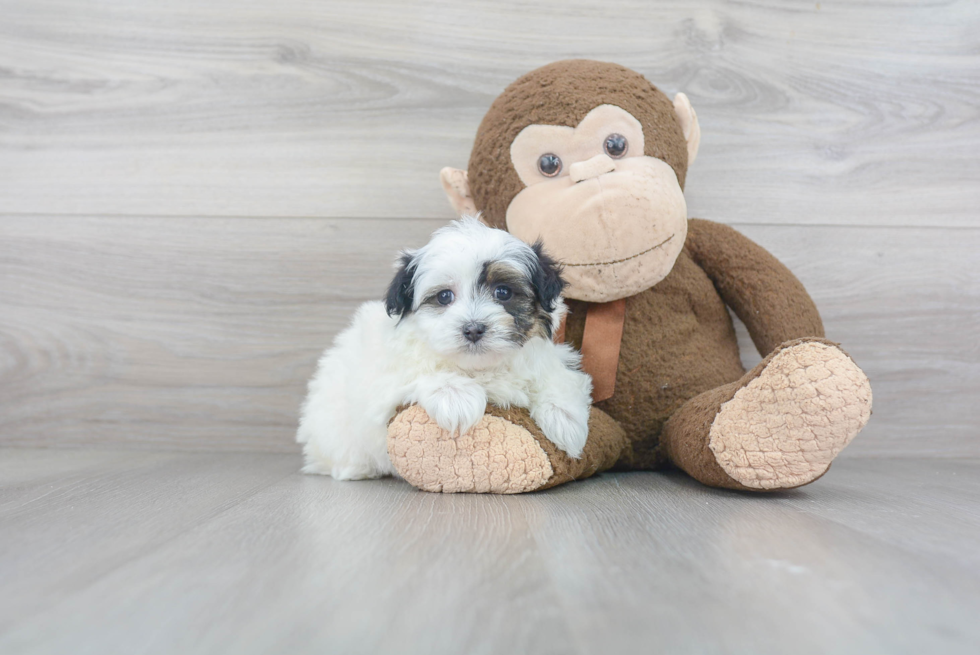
591,158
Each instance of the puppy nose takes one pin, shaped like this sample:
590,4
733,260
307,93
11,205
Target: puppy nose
473,331
586,170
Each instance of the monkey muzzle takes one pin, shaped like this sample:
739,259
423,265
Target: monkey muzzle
617,226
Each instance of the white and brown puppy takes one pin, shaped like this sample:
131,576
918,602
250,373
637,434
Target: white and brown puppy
468,320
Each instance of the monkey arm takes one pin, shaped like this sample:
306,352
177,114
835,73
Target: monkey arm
761,291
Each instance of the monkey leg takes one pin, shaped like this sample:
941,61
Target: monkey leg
779,426
505,453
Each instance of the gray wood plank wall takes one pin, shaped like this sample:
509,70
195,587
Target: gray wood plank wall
193,197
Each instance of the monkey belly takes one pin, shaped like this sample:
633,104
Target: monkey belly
678,341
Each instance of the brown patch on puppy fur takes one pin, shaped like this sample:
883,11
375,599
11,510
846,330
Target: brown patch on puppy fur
529,318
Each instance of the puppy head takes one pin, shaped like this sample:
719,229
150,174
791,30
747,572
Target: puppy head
475,293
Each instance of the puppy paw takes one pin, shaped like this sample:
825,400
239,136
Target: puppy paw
456,406
566,427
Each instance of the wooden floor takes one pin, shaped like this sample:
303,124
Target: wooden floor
146,552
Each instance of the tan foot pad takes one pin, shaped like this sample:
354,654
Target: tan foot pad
496,456
784,428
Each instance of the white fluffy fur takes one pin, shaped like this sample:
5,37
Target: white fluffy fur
381,362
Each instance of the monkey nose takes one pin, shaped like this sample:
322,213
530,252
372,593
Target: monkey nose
590,168
474,331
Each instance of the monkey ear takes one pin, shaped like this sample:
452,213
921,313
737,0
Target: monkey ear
689,124
456,184
398,300
547,280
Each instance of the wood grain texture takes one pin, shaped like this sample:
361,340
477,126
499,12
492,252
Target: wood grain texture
201,333
139,307
691,569
190,553
84,515
852,113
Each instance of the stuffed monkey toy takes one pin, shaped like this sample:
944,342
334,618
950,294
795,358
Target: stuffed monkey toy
591,158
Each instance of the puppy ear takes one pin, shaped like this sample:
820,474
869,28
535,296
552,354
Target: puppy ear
546,278
402,288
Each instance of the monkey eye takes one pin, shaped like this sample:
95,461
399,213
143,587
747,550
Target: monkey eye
502,293
616,145
445,297
549,165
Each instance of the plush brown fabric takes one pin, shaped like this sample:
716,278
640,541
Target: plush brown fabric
687,435
762,292
679,341
562,93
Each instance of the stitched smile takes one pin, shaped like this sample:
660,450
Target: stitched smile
624,259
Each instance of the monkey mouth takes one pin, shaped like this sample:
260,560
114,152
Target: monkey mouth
624,259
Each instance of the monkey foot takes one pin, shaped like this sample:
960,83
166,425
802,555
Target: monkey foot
784,427
504,453
495,456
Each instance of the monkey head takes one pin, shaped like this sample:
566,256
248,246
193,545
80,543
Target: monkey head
590,158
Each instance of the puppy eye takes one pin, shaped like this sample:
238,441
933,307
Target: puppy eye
503,293
445,297
616,145
549,165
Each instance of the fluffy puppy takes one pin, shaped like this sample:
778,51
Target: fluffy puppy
468,319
